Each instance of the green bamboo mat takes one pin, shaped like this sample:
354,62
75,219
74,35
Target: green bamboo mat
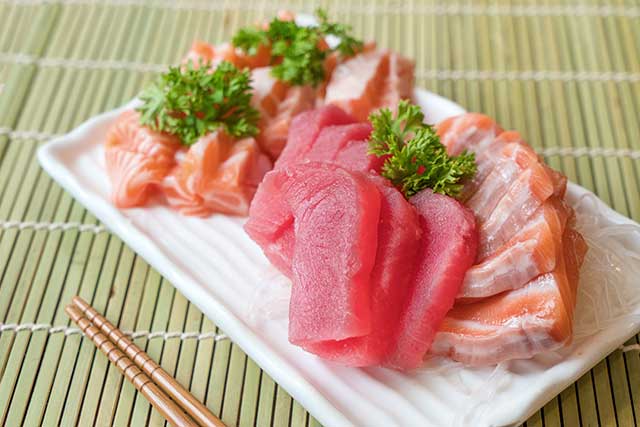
567,75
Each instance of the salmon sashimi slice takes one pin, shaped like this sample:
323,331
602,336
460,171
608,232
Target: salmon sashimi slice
447,250
304,131
207,53
505,165
520,323
268,92
236,179
528,254
137,159
216,174
398,240
525,195
399,82
355,84
275,130
473,132
336,215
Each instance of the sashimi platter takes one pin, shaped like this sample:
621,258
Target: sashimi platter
386,256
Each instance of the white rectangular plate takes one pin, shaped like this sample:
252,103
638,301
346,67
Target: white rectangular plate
216,266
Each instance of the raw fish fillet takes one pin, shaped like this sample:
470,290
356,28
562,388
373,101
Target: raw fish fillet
370,80
447,250
398,240
304,131
216,174
336,215
137,159
531,252
520,323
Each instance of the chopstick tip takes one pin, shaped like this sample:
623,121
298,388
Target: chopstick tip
80,303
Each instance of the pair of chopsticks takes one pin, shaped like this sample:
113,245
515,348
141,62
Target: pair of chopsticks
173,401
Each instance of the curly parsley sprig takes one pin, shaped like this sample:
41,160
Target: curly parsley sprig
416,159
189,102
298,52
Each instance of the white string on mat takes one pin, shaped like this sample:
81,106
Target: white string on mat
525,75
534,75
591,152
630,347
67,330
394,7
52,226
27,134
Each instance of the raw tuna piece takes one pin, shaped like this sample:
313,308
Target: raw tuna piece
355,156
528,254
398,240
331,246
137,159
270,222
336,214
520,323
447,250
304,131
333,139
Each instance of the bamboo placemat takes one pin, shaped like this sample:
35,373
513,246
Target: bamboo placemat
567,75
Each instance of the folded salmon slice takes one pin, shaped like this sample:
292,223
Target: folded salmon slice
530,253
216,174
336,215
523,197
476,133
205,52
447,250
398,240
137,159
370,80
519,323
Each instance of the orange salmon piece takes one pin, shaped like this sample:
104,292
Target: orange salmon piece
216,174
521,323
137,159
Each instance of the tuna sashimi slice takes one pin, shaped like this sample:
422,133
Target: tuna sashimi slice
528,254
520,323
137,159
355,156
270,222
333,139
447,250
398,240
304,130
336,214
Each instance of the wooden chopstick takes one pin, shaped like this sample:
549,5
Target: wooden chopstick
163,403
140,359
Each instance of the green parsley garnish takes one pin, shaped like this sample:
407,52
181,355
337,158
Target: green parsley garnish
189,102
416,157
297,51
